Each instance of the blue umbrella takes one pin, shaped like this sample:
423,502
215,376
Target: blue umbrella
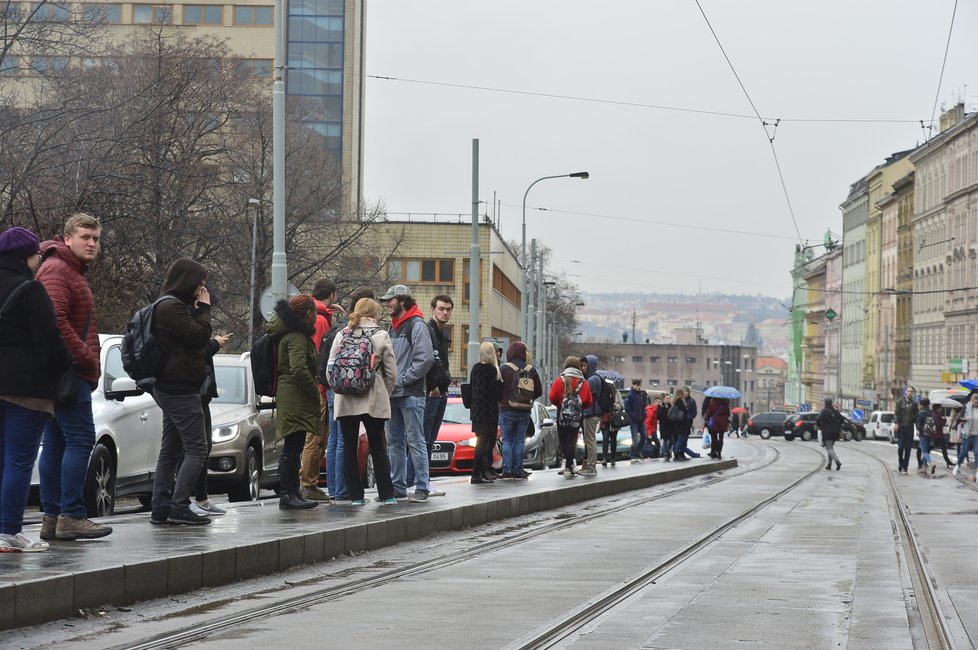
610,374
970,384
724,392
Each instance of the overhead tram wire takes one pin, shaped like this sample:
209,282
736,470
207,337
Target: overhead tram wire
616,102
940,79
764,124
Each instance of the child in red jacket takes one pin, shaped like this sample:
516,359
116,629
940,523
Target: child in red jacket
570,380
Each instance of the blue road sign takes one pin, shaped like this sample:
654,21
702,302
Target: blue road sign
857,415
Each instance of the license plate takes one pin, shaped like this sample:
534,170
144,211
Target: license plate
439,455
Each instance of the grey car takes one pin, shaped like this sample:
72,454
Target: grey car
245,456
542,447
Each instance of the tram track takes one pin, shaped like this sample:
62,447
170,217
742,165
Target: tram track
296,603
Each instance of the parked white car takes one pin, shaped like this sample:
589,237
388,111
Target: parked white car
128,431
881,425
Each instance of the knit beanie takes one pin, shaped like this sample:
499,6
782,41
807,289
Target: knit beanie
19,242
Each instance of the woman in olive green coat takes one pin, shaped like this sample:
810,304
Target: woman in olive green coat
297,397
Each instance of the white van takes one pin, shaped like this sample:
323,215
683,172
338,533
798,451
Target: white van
881,424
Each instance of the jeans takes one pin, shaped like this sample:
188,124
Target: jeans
512,425
405,433
638,440
925,449
335,450
966,443
20,436
434,413
183,437
904,444
65,452
350,427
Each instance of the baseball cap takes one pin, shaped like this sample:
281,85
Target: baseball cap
396,290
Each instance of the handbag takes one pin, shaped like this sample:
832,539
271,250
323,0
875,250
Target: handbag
66,389
466,395
620,420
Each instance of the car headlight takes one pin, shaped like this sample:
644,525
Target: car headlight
224,432
468,442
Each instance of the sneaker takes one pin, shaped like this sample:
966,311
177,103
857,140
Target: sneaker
340,502
957,468
314,494
400,498
20,544
159,517
360,502
49,525
561,472
183,516
418,496
588,472
569,474
209,510
506,475
635,460
436,493
389,502
71,528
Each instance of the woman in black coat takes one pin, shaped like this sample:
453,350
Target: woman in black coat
34,357
487,390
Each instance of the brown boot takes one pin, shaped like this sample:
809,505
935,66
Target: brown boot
71,528
49,526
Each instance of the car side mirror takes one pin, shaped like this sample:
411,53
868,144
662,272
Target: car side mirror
547,422
121,388
265,403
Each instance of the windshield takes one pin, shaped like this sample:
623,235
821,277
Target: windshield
231,385
456,414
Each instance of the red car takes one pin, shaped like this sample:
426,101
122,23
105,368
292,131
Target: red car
453,451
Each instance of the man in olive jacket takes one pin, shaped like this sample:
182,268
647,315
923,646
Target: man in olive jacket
182,328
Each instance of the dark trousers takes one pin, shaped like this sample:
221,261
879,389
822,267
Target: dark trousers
350,426
716,444
904,445
482,461
941,443
200,489
609,445
668,442
183,437
568,445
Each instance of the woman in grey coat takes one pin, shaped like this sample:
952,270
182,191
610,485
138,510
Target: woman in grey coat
372,408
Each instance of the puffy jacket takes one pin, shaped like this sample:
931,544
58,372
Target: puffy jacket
63,275
635,403
182,330
414,354
34,355
297,397
651,420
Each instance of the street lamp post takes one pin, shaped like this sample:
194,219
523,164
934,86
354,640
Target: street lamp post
254,258
555,354
523,261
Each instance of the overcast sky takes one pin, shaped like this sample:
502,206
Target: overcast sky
677,200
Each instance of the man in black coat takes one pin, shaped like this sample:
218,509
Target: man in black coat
829,421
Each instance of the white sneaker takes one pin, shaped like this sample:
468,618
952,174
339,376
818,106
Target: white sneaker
210,510
436,493
956,469
20,544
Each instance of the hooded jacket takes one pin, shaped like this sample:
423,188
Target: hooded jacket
297,397
516,355
63,275
34,354
413,352
182,330
594,382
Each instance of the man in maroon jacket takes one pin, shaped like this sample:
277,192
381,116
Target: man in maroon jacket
70,436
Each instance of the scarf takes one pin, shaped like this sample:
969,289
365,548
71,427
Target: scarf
397,321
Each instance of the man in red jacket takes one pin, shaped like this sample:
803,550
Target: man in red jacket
70,436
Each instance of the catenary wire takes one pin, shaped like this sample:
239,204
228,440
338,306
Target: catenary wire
947,47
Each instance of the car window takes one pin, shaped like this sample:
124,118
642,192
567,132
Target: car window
232,383
456,414
886,417
113,366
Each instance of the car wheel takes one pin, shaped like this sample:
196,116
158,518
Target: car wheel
847,436
250,485
765,433
369,475
806,436
860,435
100,483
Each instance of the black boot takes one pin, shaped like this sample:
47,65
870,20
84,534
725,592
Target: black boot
288,476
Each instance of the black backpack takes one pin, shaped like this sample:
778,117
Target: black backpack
264,365
142,356
322,358
606,398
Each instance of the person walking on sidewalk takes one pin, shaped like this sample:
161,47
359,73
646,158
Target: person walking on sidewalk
371,408
521,387
297,395
486,383
717,422
969,434
939,440
907,413
182,329
635,403
70,437
829,421
571,395
34,356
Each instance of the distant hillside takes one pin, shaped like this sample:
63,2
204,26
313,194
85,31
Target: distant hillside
724,318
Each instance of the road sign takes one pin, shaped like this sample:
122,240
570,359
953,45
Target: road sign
857,415
267,304
830,313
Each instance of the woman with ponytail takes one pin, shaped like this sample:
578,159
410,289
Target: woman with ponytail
570,382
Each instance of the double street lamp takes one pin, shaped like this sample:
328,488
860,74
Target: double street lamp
524,263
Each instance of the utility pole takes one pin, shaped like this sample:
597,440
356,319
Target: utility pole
633,327
475,264
531,316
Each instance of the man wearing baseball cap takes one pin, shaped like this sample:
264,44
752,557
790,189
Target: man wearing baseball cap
414,356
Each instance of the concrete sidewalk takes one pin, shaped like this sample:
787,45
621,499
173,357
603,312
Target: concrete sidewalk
140,561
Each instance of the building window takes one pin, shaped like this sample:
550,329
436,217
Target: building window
102,13
157,14
203,15
58,12
690,359
672,382
636,360
255,68
47,64
688,382
248,15
9,66
673,359
424,271
653,382
654,359
505,286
